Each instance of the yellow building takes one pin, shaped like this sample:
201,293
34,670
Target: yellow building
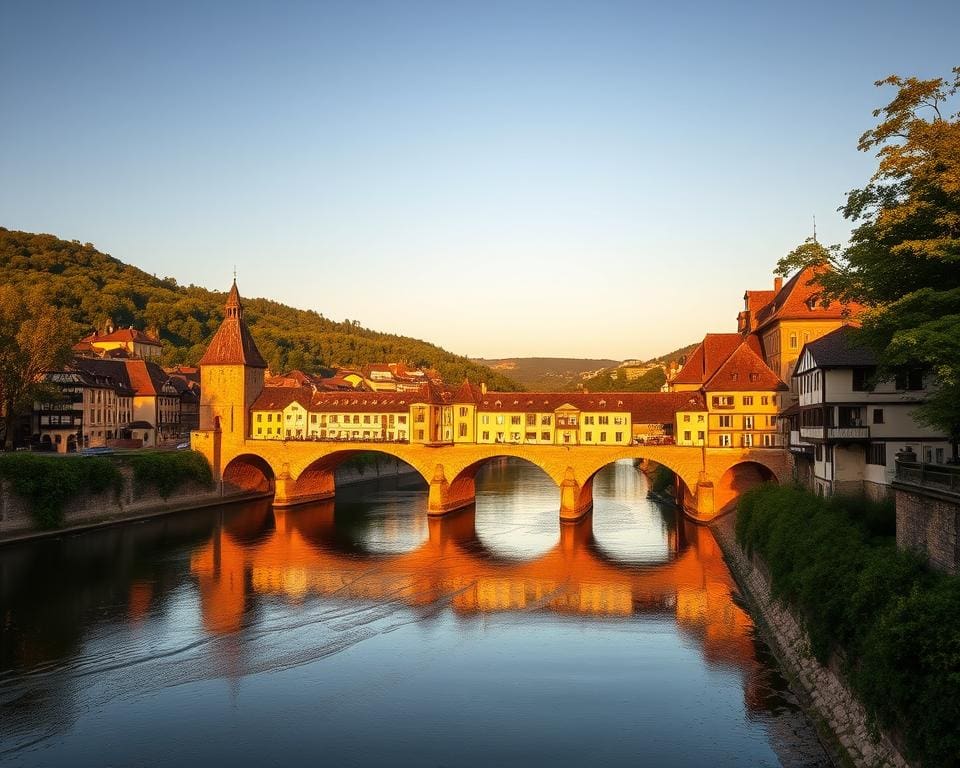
739,395
125,342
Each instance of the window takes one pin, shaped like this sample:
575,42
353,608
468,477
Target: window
603,419
748,422
419,434
748,440
603,437
686,435
769,441
530,436
726,421
700,436
514,437
878,415
500,419
486,435
401,419
259,430
269,417
764,400
313,418
724,441
531,419
912,380
544,435
722,401
588,419
588,436
793,341
462,432
366,419
463,411
484,419
686,417
619,437
877,454
861,377
259,417
545,420
748,399
514,419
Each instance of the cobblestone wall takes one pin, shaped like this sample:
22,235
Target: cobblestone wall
831,702
928,524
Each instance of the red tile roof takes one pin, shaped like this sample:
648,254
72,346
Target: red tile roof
123,334
644,407
146,378
744,371
468,393
376,402
709,355
232,344
278,398
799,299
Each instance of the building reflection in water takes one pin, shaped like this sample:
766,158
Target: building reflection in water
259,552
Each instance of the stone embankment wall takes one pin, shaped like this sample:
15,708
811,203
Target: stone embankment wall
927,522
830,702
86,509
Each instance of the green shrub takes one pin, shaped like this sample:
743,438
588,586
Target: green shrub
47,482
167,472
893,623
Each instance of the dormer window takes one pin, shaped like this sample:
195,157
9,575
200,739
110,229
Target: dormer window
735,376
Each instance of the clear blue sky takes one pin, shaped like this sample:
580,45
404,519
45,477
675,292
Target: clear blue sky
595,179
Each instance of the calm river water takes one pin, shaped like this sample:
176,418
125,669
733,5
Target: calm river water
362,633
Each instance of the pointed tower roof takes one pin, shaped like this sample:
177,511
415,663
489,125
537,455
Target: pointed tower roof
233,343
744,371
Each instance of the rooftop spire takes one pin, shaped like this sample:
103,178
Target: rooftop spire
233,306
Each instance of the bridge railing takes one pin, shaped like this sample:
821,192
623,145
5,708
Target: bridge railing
940,477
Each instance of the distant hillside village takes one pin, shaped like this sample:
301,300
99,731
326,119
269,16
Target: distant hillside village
792,376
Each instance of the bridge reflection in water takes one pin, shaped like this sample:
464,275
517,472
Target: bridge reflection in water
312,551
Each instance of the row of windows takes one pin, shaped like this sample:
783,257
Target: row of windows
767,440
749,422
335,418
729,401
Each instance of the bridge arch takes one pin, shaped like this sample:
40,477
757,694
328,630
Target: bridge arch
461,490
248,473
737,480
317,480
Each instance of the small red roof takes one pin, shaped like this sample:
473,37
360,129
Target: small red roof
123,334
709,355
744,371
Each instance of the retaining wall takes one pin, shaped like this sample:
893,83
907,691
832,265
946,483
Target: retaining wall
828,699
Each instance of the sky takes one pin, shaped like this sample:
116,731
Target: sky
583,179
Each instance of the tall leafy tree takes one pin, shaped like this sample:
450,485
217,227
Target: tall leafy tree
903,259
34,338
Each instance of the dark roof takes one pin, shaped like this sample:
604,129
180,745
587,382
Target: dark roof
841,348
114,369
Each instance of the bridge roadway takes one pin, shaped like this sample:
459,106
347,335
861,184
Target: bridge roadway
709,480
296,552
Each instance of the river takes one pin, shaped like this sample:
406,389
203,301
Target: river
361,632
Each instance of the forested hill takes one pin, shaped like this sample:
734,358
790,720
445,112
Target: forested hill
97,289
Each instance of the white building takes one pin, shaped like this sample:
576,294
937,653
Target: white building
847,428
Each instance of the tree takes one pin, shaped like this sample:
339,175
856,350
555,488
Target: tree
34,339
903,259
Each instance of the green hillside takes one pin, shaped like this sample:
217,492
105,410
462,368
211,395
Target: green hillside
545,374
97,289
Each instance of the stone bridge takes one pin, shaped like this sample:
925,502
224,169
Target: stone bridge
708,480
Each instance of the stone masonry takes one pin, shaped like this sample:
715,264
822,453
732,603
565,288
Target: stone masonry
830,700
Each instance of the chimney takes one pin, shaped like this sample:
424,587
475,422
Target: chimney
777,284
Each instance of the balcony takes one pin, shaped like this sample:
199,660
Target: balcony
848,433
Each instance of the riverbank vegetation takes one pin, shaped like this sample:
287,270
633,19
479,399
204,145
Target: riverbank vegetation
888,622
46,483
166,473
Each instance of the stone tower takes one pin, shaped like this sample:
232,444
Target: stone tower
231,378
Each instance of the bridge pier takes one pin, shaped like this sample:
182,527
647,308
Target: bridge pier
575,500
288,492
445,497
